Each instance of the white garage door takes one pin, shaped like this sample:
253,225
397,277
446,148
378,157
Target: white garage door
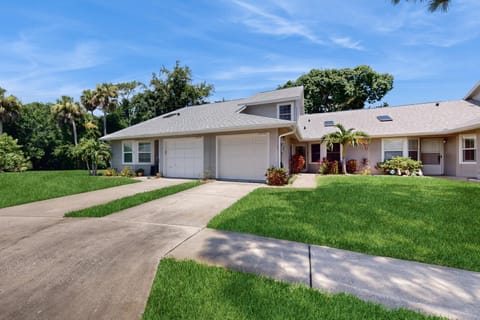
183,158
242,157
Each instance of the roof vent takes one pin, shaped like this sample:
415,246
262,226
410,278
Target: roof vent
384,118
437,104
171,115
328,123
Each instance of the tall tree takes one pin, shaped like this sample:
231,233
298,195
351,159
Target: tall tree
345,138
67,111
9,108
88,101
105,97
125,92
331,90
433,5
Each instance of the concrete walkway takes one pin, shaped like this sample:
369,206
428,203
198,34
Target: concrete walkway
97,268
305,180
395,283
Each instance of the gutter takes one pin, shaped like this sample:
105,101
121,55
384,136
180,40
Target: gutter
280,144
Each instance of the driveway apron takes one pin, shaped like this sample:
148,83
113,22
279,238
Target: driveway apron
96,268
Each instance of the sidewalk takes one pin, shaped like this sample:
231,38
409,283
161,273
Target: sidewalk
57,207
395,283
305,180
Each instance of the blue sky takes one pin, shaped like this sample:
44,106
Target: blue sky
54,48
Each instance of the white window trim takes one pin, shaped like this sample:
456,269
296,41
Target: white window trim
123,152
404,146
152,146
311,154
292,116
460,148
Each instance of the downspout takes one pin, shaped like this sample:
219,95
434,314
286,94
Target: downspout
280,144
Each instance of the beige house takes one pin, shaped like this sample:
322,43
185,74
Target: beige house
240,139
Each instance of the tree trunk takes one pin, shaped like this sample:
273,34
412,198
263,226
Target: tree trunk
104,123
74,129
1,127
344,159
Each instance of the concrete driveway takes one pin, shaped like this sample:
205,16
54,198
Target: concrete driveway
65,268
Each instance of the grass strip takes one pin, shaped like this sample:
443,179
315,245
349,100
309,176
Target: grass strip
424,219
24,187
189,290
130,201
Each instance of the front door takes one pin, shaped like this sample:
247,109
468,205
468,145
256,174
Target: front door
431,151
301,149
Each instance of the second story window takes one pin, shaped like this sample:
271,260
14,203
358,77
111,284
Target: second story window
285,111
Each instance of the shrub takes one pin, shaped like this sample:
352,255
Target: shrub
127,172
110,172
333,167
401,166
297,163
277,176
352,166
139,172
11,155
328,167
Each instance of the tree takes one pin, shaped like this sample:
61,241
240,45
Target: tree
87,100
105,97
67,111
11,155
332,90
169,90
433,5
9,108
94,153
127,108
345,138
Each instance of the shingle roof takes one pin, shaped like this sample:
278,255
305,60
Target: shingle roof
412,120
275,96
215,117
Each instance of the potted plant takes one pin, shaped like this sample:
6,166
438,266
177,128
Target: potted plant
139,172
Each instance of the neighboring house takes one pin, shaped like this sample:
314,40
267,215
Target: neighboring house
240,139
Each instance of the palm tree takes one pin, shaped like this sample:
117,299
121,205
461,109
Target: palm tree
105,97
9,108
67,111
433,5
350,137
87,100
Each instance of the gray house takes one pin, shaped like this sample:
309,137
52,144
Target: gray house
240,139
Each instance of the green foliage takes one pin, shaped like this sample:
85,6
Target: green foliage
189,290
131,201
297,163
94,153
433,5
429,220
277,176
127,172
9,108
350,137
105,97
110,172
328,167
18,188
402,166
67,111
139,172
11,155
332,90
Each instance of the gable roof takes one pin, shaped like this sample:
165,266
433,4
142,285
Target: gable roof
411,120
280,95
207,118
474,93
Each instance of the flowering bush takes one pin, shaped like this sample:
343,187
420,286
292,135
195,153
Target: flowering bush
401,166
127,172
297,163
277,176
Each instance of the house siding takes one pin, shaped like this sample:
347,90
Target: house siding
271,110
468,170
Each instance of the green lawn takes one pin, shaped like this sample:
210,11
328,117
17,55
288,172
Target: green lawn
188,290
424,219
130,201
17,188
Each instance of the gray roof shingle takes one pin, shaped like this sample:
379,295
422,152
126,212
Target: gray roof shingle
411,120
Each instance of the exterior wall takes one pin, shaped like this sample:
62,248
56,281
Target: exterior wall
117,154
468,170
271,110
375,154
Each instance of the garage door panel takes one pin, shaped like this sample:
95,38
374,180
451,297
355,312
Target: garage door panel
242,157
184,157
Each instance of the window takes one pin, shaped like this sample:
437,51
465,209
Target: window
127,152
333,154
315,152
468,149
392,148
285,111
328,123
413,148
144,152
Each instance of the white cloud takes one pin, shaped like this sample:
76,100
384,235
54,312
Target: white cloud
348,43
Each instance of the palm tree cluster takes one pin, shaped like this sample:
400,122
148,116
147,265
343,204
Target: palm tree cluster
9,108
433,5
